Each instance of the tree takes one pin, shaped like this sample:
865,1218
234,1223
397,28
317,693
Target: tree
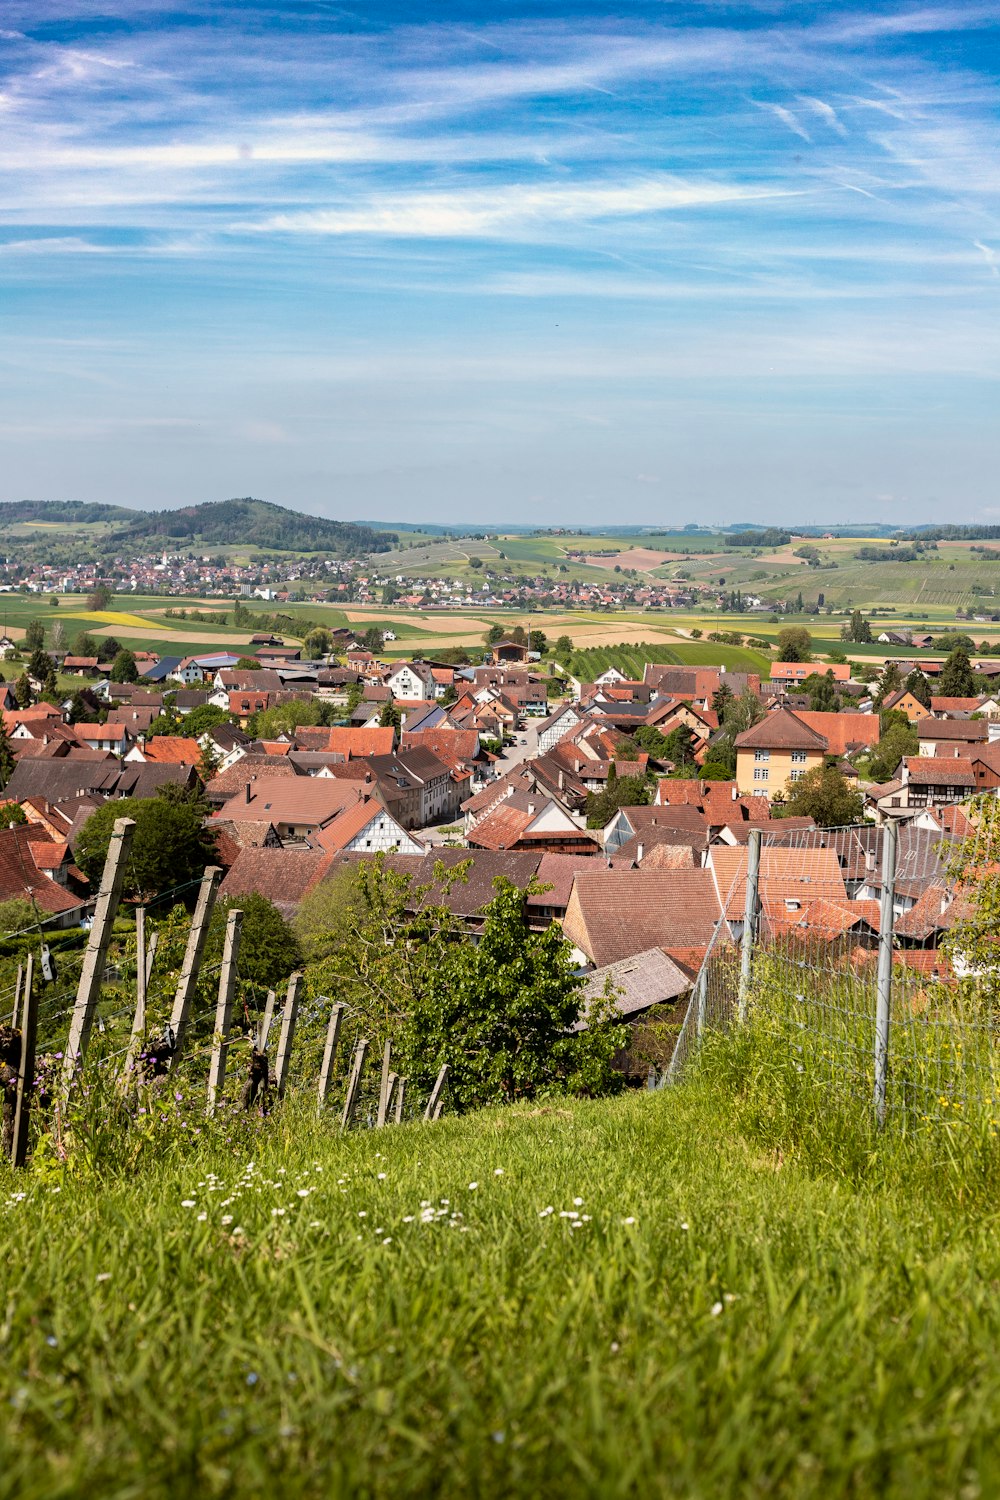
823,696
248,664
957,677
170,846
269,948
564,649
285,718
7,761
100,599
319,641
621,791
57,636
890,681
108,648
794,644
501,1012
917,684
681,746
494,634
123,668
79,712
857,629
85,645
11,813
824,795
22,691
537,641
721,699
34,636
206,716
389,715
897,740
373,639
40,665
475,563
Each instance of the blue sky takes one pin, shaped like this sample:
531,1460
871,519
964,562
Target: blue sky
506,262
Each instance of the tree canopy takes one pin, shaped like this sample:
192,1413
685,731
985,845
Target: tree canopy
170,845
826,796
794,644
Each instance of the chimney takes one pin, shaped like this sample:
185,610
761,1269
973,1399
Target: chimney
735,793
638,854
531,808
249,794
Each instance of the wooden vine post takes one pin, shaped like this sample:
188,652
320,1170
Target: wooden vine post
329,1055
224,1008
197,938
92,974
385,1085
26,1068
436,1102
288,1018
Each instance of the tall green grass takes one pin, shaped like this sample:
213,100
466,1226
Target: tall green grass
734,1287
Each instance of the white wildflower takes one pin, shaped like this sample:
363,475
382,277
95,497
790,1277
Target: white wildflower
716,1309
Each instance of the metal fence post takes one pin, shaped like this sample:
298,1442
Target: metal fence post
883,1003
750,913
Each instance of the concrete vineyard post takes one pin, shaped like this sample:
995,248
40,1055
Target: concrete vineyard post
95,958
224,1008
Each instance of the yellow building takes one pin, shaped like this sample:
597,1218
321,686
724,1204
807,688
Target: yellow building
777,751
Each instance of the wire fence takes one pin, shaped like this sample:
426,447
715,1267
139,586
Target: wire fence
870,957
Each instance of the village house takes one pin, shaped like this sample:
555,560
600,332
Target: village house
781,749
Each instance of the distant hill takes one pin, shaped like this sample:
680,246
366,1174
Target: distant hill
261,523
216,523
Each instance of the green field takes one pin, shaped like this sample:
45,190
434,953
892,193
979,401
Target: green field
726,1289
591,662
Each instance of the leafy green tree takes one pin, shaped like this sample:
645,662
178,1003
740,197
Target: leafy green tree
100,599
494,634
682,743
78,710
373,639
857,629
537,641
721,699
11,813
355,693
500,1012
823,695
269,948
564,649
889,682
22,691
824,795
40,664
285,718
389,715
108,648
85,645
621,791
124,668
794,644
917,684
957,677
897,740
652,740
170,845
319,641
248,664
7,761
206,716
34,636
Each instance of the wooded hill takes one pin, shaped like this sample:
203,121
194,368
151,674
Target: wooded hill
217,523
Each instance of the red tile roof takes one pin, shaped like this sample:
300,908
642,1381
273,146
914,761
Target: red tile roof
781,730
785,874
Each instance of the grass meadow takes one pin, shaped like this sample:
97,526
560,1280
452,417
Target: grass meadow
726,1288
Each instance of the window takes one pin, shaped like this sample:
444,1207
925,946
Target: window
762,755
760,775
796,776
798,757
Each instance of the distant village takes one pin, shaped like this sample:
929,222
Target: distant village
623,808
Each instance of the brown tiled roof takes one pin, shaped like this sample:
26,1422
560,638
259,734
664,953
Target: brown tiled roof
558,871
843,732
795,874
939,770
164,748
284,876
955,705
781,730
615,913
235,778
662,849
971,730
823,918
307,800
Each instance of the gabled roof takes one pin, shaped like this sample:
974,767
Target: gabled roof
613,914
939,770
843,732
970,730
781,730
638,983
785,874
